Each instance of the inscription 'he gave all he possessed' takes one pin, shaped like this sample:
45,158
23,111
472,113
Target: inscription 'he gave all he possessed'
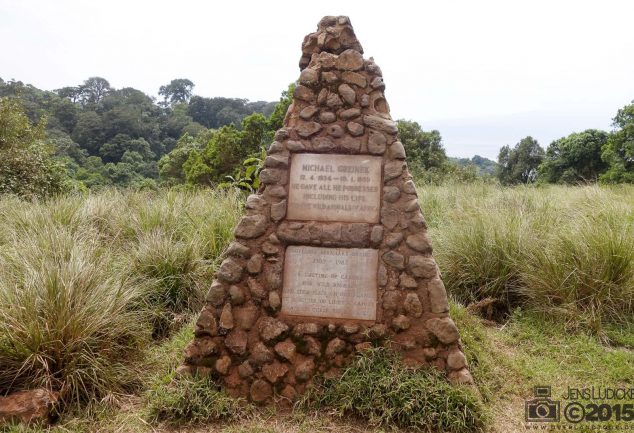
342,188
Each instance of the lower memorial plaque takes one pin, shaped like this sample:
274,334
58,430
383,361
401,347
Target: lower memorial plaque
330,282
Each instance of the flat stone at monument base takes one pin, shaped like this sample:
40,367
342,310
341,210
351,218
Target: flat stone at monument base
328,187
330,282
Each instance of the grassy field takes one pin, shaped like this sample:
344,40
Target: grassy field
97,295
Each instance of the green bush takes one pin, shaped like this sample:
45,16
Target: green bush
377,387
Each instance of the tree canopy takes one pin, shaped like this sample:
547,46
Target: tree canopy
177,91
424,148
211,157
27,166
97,136
519,164
575,158
108,136
618,152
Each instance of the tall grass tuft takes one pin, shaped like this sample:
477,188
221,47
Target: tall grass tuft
377,387
192,400
86,281
564,251
65,317
173,274
586,272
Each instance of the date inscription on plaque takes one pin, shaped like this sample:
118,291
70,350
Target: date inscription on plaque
326,187
330,282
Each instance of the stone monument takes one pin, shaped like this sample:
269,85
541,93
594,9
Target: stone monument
332,255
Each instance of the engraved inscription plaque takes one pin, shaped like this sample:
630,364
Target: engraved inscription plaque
345,188
330,282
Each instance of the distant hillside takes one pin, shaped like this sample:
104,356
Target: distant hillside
484,165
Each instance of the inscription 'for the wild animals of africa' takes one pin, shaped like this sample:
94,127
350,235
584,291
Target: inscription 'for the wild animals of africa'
330,282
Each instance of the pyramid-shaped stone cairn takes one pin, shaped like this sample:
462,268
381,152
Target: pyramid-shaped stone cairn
332,255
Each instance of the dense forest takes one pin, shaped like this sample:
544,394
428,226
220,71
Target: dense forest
107,136
93,135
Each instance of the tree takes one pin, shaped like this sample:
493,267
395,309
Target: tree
65,114
27,165
130,111
483,166
424,149
197,172
219,158
177,91
91,121
89,131
229,116
575,158
520,163
114,150
223,153
93,90
72,93
618,152
177,121
66,148
92,173
276,119
171,165
217,112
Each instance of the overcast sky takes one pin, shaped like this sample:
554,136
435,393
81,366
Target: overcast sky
484,73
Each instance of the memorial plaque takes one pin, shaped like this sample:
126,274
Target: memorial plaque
345,188
330,282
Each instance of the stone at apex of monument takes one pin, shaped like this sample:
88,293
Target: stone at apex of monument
335,283
330,187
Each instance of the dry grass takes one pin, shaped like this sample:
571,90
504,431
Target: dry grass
564,251
86,282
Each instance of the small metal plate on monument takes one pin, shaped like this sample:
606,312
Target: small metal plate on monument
326,187
330,282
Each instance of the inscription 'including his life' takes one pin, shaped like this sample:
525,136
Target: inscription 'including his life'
330,282
326,187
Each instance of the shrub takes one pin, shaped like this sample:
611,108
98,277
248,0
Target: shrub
379,388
